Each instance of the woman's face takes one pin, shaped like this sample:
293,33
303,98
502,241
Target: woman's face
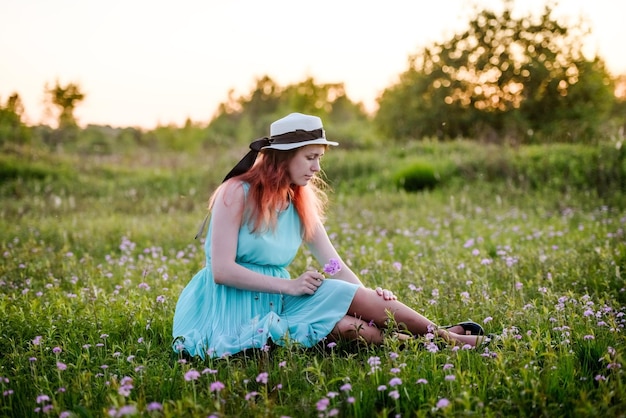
305,163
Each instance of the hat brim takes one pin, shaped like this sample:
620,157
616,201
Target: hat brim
286,147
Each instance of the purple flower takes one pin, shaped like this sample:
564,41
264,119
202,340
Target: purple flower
450,377
37,340
262,378
422,381
56,350
395,382
333,267
154,406
322,404
442,403
394,394
346,387
43,398
61,366
217,386
192,375
381,388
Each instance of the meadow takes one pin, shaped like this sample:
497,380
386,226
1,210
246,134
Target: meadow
530,243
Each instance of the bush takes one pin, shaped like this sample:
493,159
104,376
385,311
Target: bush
418,176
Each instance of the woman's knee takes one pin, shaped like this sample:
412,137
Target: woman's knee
353,328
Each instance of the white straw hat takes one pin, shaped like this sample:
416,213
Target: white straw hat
297,130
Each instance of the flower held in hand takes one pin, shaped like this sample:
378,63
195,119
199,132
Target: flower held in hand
332,267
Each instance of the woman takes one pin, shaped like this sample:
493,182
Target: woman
260,215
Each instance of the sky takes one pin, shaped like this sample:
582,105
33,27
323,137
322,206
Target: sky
146,63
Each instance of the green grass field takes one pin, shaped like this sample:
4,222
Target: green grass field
95,250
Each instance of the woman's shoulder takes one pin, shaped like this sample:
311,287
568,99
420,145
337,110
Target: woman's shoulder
232,190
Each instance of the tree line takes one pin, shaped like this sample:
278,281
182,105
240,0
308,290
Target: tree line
503,79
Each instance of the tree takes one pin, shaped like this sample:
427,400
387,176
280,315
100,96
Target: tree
12,129
504,78
65,98
242,118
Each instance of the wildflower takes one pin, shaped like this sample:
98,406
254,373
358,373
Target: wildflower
322,404
153,406
346,387
192,375
393,355
588,337
282,364
262,378
332,395
422,381
397,266
144,286
217,386
333,412
442,403
518,286
43,398
209,371
331,344
65,414
104,336
127,410
450,377
37,340
61,366
394,394
488,319
251,395
599,377
381,388
32,359
395,382
56,350
333,267
160,299
448,366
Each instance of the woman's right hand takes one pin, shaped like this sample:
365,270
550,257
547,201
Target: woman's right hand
307,283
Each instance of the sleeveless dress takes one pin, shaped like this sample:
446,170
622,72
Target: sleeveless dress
218,320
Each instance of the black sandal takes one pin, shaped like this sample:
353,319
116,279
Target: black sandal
470,328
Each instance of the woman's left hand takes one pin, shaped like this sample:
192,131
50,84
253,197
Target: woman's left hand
386,294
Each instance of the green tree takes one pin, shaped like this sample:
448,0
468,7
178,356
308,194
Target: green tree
245,117
503,78
65,98
12,129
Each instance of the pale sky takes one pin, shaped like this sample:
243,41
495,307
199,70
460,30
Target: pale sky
149,62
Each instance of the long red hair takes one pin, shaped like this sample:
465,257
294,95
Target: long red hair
271,188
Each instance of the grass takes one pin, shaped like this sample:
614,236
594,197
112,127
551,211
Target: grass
96,250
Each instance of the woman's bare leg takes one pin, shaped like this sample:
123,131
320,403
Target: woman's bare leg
367,305
352,328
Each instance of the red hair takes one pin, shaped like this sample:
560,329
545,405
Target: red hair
271,188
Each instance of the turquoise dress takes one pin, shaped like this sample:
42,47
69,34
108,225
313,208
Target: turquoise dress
218,320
